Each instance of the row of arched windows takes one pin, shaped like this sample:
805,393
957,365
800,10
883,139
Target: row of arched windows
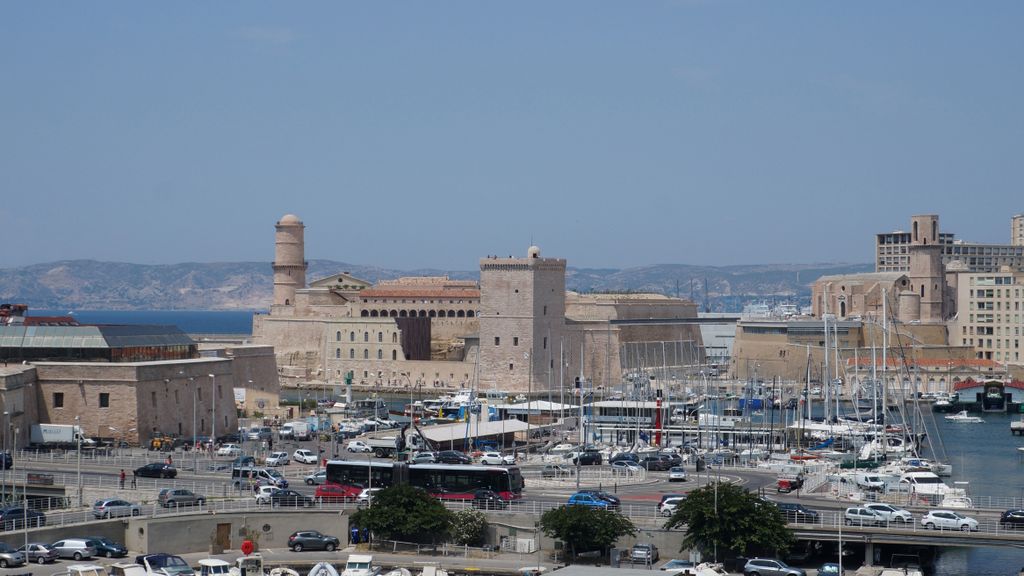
366,337
366,354
418,313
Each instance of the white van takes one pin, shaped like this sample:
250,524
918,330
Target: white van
262,476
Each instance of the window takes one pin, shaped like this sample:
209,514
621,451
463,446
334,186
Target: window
366,354
366,336
337,336
394,354
497,340
380,354
515,340
104,400
511,366
337,353
58,399
152,398
352,353
545,343
351,336
380,336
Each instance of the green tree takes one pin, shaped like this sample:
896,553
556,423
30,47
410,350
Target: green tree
405,513
469,527
735,521
584,528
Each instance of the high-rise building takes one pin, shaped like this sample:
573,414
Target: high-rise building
892,251
1017,230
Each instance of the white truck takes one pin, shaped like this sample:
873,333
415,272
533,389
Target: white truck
59,436
385,446
298,430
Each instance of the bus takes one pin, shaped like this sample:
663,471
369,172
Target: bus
444,481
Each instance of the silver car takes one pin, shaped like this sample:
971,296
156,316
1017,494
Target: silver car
114,508
77,548
10,557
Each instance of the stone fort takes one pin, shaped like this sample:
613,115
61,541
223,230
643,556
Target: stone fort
517,330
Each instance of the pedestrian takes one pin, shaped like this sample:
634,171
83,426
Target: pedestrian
121,478
135,478
169,461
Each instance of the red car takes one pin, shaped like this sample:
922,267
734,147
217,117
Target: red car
335,493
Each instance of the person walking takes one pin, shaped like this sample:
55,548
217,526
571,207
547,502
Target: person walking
135,478
122,477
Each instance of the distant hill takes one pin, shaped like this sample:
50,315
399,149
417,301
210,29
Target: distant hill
92,285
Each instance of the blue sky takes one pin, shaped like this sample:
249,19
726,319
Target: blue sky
431,134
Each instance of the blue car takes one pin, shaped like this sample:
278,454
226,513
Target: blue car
584,499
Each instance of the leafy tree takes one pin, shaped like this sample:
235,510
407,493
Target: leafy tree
585,528
469,527
741,522
405,513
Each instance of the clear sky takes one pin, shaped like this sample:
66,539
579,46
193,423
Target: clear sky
429,134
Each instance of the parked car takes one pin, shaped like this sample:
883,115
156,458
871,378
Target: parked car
304,456
264,433
179,497
585,458
603,495
644,553
424,458
229,438
677,567
798,513
157,470
668,506
625,467
277,459
1012,518
770,567
76,548
15,518
112,508
891,513
290,498
311,540
677,474
585,499
624,456
556,471
488,500
452,457
317,478
11,557
334,493
106,547
858,516
244,462
666,497
497,459
948,520
38,553
829,569
166,563
229,450
358,446
655,463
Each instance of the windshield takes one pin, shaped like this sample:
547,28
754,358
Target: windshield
274,474
927,480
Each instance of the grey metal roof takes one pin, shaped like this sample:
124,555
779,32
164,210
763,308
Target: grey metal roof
92,337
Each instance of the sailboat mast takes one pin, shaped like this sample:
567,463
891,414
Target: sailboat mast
885,350
835,351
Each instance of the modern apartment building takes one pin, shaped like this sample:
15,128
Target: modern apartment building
892,251
990,317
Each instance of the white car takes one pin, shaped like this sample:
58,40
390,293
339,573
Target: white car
497,459
677,474
263,494
366,495
891,513
229,450
253,434
304,456
358,446
625,466
668,507
948,520
857,516
318,477
278,459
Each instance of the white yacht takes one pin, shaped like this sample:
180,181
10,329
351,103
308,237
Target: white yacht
965,418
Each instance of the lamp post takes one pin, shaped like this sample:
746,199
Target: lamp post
213,424
78,438
195,462
3,489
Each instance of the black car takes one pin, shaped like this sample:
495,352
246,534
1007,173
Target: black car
106,547
452,457
656,463
627,456
311,540
16,517
230,438
586,458
1012,518
488,500
290,498
614,500
793,512
157,470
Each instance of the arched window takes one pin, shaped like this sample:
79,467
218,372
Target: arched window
352,353
432,314
366,336
380,336
403,314
394,337
461,314
380,354
351,336
337,336
394,354
337,353
470,314
451,313
364,313
366,354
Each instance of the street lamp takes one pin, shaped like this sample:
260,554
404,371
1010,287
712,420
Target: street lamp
78,438
213,425
3,491
192,383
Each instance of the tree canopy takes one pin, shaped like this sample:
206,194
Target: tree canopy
405,513
584,528
469,527
741,522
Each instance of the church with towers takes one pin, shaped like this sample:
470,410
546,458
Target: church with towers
517,330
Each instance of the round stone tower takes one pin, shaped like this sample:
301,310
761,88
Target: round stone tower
289,259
